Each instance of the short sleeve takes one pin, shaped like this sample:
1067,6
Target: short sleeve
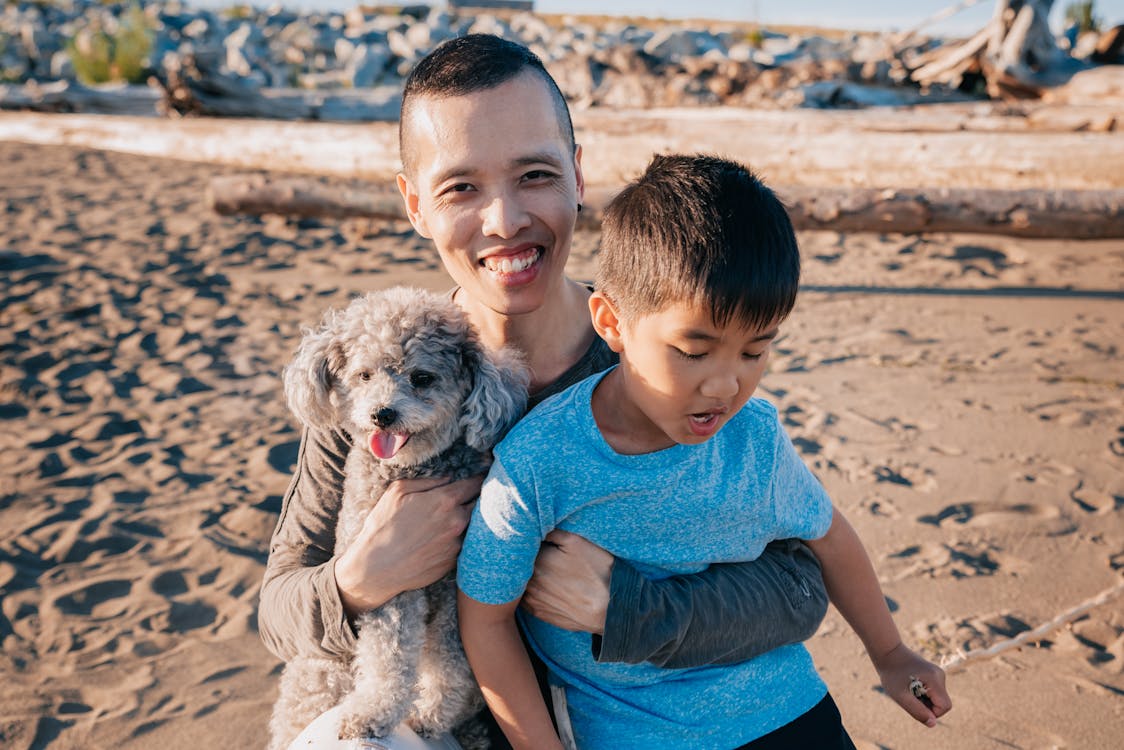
502,542
802,506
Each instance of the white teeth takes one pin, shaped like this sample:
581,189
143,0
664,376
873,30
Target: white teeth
512,265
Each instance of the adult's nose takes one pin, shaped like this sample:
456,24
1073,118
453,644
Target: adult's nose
504,217
385,417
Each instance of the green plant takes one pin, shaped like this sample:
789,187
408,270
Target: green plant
240,12
1081,13
101,57
755,37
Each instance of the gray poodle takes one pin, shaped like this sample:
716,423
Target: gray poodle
404,374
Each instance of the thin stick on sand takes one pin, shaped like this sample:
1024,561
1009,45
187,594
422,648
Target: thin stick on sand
961,661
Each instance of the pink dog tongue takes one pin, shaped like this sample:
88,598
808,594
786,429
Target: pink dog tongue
386,444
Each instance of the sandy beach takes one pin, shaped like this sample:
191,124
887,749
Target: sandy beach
961,398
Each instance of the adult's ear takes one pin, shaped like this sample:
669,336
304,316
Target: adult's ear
410,197
606,320
578,172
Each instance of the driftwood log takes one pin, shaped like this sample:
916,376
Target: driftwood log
1073,214
70,96
933,146
197,86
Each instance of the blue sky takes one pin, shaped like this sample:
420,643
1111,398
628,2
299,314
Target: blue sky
857,14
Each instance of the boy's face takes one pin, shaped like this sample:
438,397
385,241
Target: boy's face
682,377
495,186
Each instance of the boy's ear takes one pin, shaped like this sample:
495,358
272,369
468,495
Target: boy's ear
410,198
606,321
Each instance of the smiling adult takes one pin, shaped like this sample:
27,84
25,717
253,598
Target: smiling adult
492,175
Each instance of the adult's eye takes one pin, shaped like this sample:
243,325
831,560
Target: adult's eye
422,379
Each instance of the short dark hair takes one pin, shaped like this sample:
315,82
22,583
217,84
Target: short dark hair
703,230
474,62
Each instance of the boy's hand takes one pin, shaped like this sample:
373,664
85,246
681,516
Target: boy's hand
570,585
901,671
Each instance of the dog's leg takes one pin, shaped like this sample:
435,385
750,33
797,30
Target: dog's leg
385,667
447,691
309,687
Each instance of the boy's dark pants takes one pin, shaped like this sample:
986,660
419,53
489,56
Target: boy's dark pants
821,728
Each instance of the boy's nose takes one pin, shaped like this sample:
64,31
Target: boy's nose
504,217
722,385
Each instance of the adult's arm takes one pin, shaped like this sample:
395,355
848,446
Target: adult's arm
409,540
728,613
301,611
725,614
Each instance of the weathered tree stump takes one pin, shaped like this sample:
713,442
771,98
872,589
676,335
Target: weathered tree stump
1016,54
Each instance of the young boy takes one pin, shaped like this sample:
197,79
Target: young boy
666,461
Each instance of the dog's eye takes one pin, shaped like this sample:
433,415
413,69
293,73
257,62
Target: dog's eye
422,379
364,376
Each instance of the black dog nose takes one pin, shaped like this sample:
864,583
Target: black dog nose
385,417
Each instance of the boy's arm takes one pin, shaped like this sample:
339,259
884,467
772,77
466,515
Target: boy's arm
854,590
503,669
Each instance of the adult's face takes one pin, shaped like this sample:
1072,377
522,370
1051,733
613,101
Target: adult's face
495,185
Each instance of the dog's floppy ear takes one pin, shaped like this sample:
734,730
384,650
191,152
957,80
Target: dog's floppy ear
314,373
498,397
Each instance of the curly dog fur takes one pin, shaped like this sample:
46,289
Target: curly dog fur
403,372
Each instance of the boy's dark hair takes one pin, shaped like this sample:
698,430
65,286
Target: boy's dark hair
702,230
474,62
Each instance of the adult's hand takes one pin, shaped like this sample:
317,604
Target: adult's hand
410,539
570,585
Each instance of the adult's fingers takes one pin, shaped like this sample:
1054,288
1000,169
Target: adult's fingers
559,538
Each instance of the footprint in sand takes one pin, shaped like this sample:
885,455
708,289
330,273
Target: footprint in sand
1095,500
989,514
958,560
913,475
877,505
181,617
99,600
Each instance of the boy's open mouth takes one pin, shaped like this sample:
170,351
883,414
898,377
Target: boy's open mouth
705,423
386,445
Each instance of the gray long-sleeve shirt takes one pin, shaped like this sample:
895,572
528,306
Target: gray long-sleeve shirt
727,613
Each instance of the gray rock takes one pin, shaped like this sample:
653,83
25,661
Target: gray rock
343,50
62,68
675,44
236,61
531,28
196,29
831,94
489,24
366,66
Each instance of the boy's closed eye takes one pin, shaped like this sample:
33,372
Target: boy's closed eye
753,356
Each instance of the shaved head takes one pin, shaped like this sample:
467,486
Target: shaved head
465,65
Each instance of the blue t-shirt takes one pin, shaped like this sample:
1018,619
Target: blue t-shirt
670,512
